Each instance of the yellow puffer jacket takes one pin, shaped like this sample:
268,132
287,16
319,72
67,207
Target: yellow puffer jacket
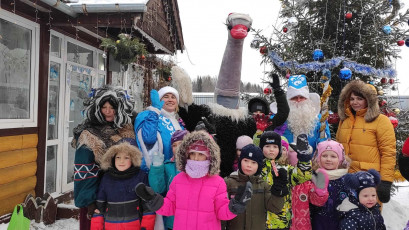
368,136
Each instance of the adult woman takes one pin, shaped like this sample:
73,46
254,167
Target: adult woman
108,122
366,134
155,126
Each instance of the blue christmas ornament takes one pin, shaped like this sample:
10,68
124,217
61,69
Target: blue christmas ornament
371,82
318,55
387,29
407,42
345,74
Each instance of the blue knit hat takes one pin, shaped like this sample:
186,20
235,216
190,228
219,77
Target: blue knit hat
253,153
361,180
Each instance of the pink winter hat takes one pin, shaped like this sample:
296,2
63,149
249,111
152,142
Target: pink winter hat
332,146
284,142
243,141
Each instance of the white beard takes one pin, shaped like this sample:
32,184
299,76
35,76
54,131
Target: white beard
302,118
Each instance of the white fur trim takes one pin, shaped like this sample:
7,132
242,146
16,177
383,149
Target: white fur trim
234,114
346,205
293,92
273,107
182,83
240,16
168,89
336,173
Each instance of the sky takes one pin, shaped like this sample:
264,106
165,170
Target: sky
205,38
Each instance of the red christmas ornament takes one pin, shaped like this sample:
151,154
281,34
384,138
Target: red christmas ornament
267,91
384,80
382,103
401,43
333,118
263,50
169,78
348,15
394,121
143,57
285,29
391,81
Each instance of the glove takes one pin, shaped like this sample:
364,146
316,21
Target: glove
153,200
280,183
320,180
157,159
156,102
262,121
91,209
276,82
384,191
237,205
206,126
303,149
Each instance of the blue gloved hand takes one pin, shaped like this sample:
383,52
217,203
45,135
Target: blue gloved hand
156,102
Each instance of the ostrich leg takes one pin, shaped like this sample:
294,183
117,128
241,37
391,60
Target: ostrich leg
227,89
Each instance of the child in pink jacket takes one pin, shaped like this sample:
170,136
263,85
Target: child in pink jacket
197,196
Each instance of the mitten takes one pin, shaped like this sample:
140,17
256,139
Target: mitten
156,102
153,200
403,162
238,204
280,183
157,159
262,121
320,181
384,191
91,209
276,82
303,149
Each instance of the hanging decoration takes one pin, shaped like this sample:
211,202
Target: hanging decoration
333,118
263,50
391,81
327,89
165,72
267,91
293,22
330,64
255,44
285,29
394,88
394,121
384,80
387,29
400,42
126,49
318,55
348,15
345,74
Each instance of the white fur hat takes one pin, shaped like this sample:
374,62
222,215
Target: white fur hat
168,89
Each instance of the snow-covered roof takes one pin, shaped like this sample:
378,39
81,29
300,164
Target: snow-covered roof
109,2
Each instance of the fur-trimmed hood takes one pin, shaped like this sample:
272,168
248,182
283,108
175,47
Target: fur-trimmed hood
367,91
181,156
134,153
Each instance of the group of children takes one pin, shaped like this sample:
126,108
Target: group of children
269,189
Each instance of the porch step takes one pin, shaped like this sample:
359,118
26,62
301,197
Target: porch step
67,211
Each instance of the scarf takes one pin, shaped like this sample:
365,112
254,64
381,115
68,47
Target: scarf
197,169
172,117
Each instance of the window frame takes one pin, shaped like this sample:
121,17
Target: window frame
34,68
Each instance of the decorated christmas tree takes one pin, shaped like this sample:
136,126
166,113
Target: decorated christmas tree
335,41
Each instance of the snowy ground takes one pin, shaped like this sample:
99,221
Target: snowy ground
395,213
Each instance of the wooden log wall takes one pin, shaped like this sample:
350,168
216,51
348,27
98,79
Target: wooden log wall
18,155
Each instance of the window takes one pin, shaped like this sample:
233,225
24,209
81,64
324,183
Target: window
19,42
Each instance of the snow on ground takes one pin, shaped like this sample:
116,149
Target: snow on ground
395,213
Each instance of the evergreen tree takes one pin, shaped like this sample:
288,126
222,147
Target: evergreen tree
325,25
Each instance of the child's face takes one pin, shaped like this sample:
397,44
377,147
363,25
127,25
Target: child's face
196,156
175,145
367,197
249,167
271,151
238,152
122,161
329,160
